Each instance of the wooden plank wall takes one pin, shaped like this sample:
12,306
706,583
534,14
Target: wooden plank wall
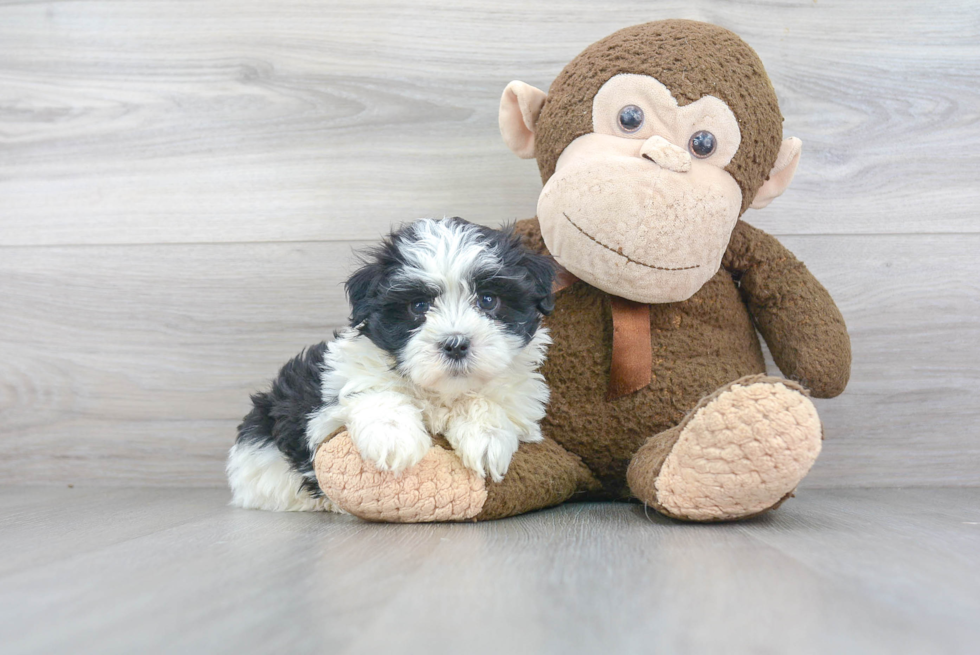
181,186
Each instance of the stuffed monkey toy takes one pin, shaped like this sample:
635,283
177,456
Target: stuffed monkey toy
651,144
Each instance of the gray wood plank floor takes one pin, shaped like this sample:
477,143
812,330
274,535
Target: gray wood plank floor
91,570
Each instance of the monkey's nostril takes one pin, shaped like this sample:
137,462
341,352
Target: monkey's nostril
455,347
677,162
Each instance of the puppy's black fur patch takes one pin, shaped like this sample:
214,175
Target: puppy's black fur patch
280,414
380,311
523,283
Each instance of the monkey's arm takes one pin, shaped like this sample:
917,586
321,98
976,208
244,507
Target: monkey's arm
440,488
792,310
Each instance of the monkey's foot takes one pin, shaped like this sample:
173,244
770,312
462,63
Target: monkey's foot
438,488
742,451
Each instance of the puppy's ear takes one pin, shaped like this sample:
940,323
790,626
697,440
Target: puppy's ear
542,272
361,288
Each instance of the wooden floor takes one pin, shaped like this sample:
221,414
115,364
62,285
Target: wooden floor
99,570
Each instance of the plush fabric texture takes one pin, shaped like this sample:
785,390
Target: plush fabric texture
519,109
692,59
795,314
781,174
698,346
540,475
650,243
439,488
740,452
667,125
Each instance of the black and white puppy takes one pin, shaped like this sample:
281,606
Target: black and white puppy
444,338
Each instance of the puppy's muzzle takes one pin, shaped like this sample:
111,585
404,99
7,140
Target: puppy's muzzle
456,347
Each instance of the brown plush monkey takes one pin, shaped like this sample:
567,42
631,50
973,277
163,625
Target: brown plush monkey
651,144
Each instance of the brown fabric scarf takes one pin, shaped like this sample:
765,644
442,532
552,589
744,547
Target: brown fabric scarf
632,355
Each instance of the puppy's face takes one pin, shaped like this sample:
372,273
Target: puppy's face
453,302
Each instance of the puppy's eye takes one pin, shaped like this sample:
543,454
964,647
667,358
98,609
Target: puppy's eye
418,307
702,144
488,302
630,118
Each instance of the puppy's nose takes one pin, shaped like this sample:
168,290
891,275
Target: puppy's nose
455,347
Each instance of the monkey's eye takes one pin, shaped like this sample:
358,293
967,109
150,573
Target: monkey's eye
702,144
487,302
418,308
630,118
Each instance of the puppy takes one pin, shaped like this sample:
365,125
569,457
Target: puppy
445,337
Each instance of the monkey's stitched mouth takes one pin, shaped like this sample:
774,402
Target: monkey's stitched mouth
624,256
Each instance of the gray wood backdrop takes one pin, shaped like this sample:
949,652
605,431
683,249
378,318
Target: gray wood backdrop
182,184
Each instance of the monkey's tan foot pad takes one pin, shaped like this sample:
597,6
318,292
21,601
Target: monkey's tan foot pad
439,488
742,452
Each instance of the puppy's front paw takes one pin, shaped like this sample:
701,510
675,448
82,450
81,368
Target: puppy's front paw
486,450
391,443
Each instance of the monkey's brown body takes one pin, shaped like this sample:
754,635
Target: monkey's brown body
698,345
652,143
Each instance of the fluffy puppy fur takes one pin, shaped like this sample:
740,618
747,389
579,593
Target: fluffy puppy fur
444,338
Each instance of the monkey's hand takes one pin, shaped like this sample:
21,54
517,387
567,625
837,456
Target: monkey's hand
792,310
388,431
438,488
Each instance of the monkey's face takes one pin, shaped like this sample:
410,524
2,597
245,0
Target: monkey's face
652,143
643,207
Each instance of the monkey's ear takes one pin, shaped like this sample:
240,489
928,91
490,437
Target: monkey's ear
781,174
520,106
